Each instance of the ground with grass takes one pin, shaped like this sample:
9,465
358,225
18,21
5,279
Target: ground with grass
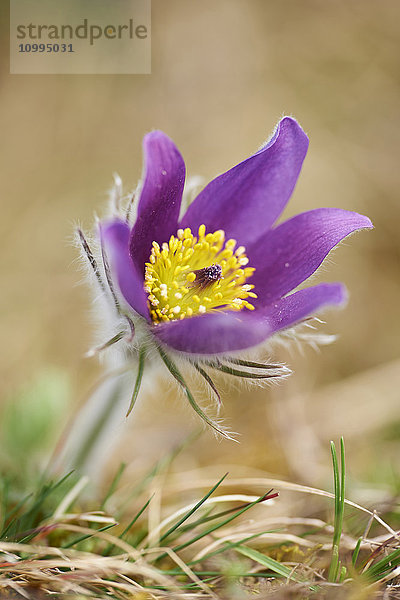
172,534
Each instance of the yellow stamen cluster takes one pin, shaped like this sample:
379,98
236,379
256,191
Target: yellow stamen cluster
176,289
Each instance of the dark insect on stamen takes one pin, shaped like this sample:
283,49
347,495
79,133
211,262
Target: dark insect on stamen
208,275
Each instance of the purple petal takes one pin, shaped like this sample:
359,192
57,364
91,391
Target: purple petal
289,254
246,200
292,309
226,332
115,239
213,333
160,198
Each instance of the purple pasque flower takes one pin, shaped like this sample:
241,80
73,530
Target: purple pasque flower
222,277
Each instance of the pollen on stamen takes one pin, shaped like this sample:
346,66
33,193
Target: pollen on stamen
193,274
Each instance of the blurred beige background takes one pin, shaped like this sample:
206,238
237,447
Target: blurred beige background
223,73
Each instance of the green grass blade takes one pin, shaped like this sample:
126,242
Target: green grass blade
336,490
339,481
113,485
270,563
187,515
205,518
34,514
161,466
8,517
211,517
82,538
135,518
342,487
128,527
213,574
227,546
383,567
356,552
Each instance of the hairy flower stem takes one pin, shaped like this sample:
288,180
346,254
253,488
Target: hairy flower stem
92,436
85,443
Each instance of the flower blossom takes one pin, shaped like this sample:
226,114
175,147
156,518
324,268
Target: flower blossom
222,277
